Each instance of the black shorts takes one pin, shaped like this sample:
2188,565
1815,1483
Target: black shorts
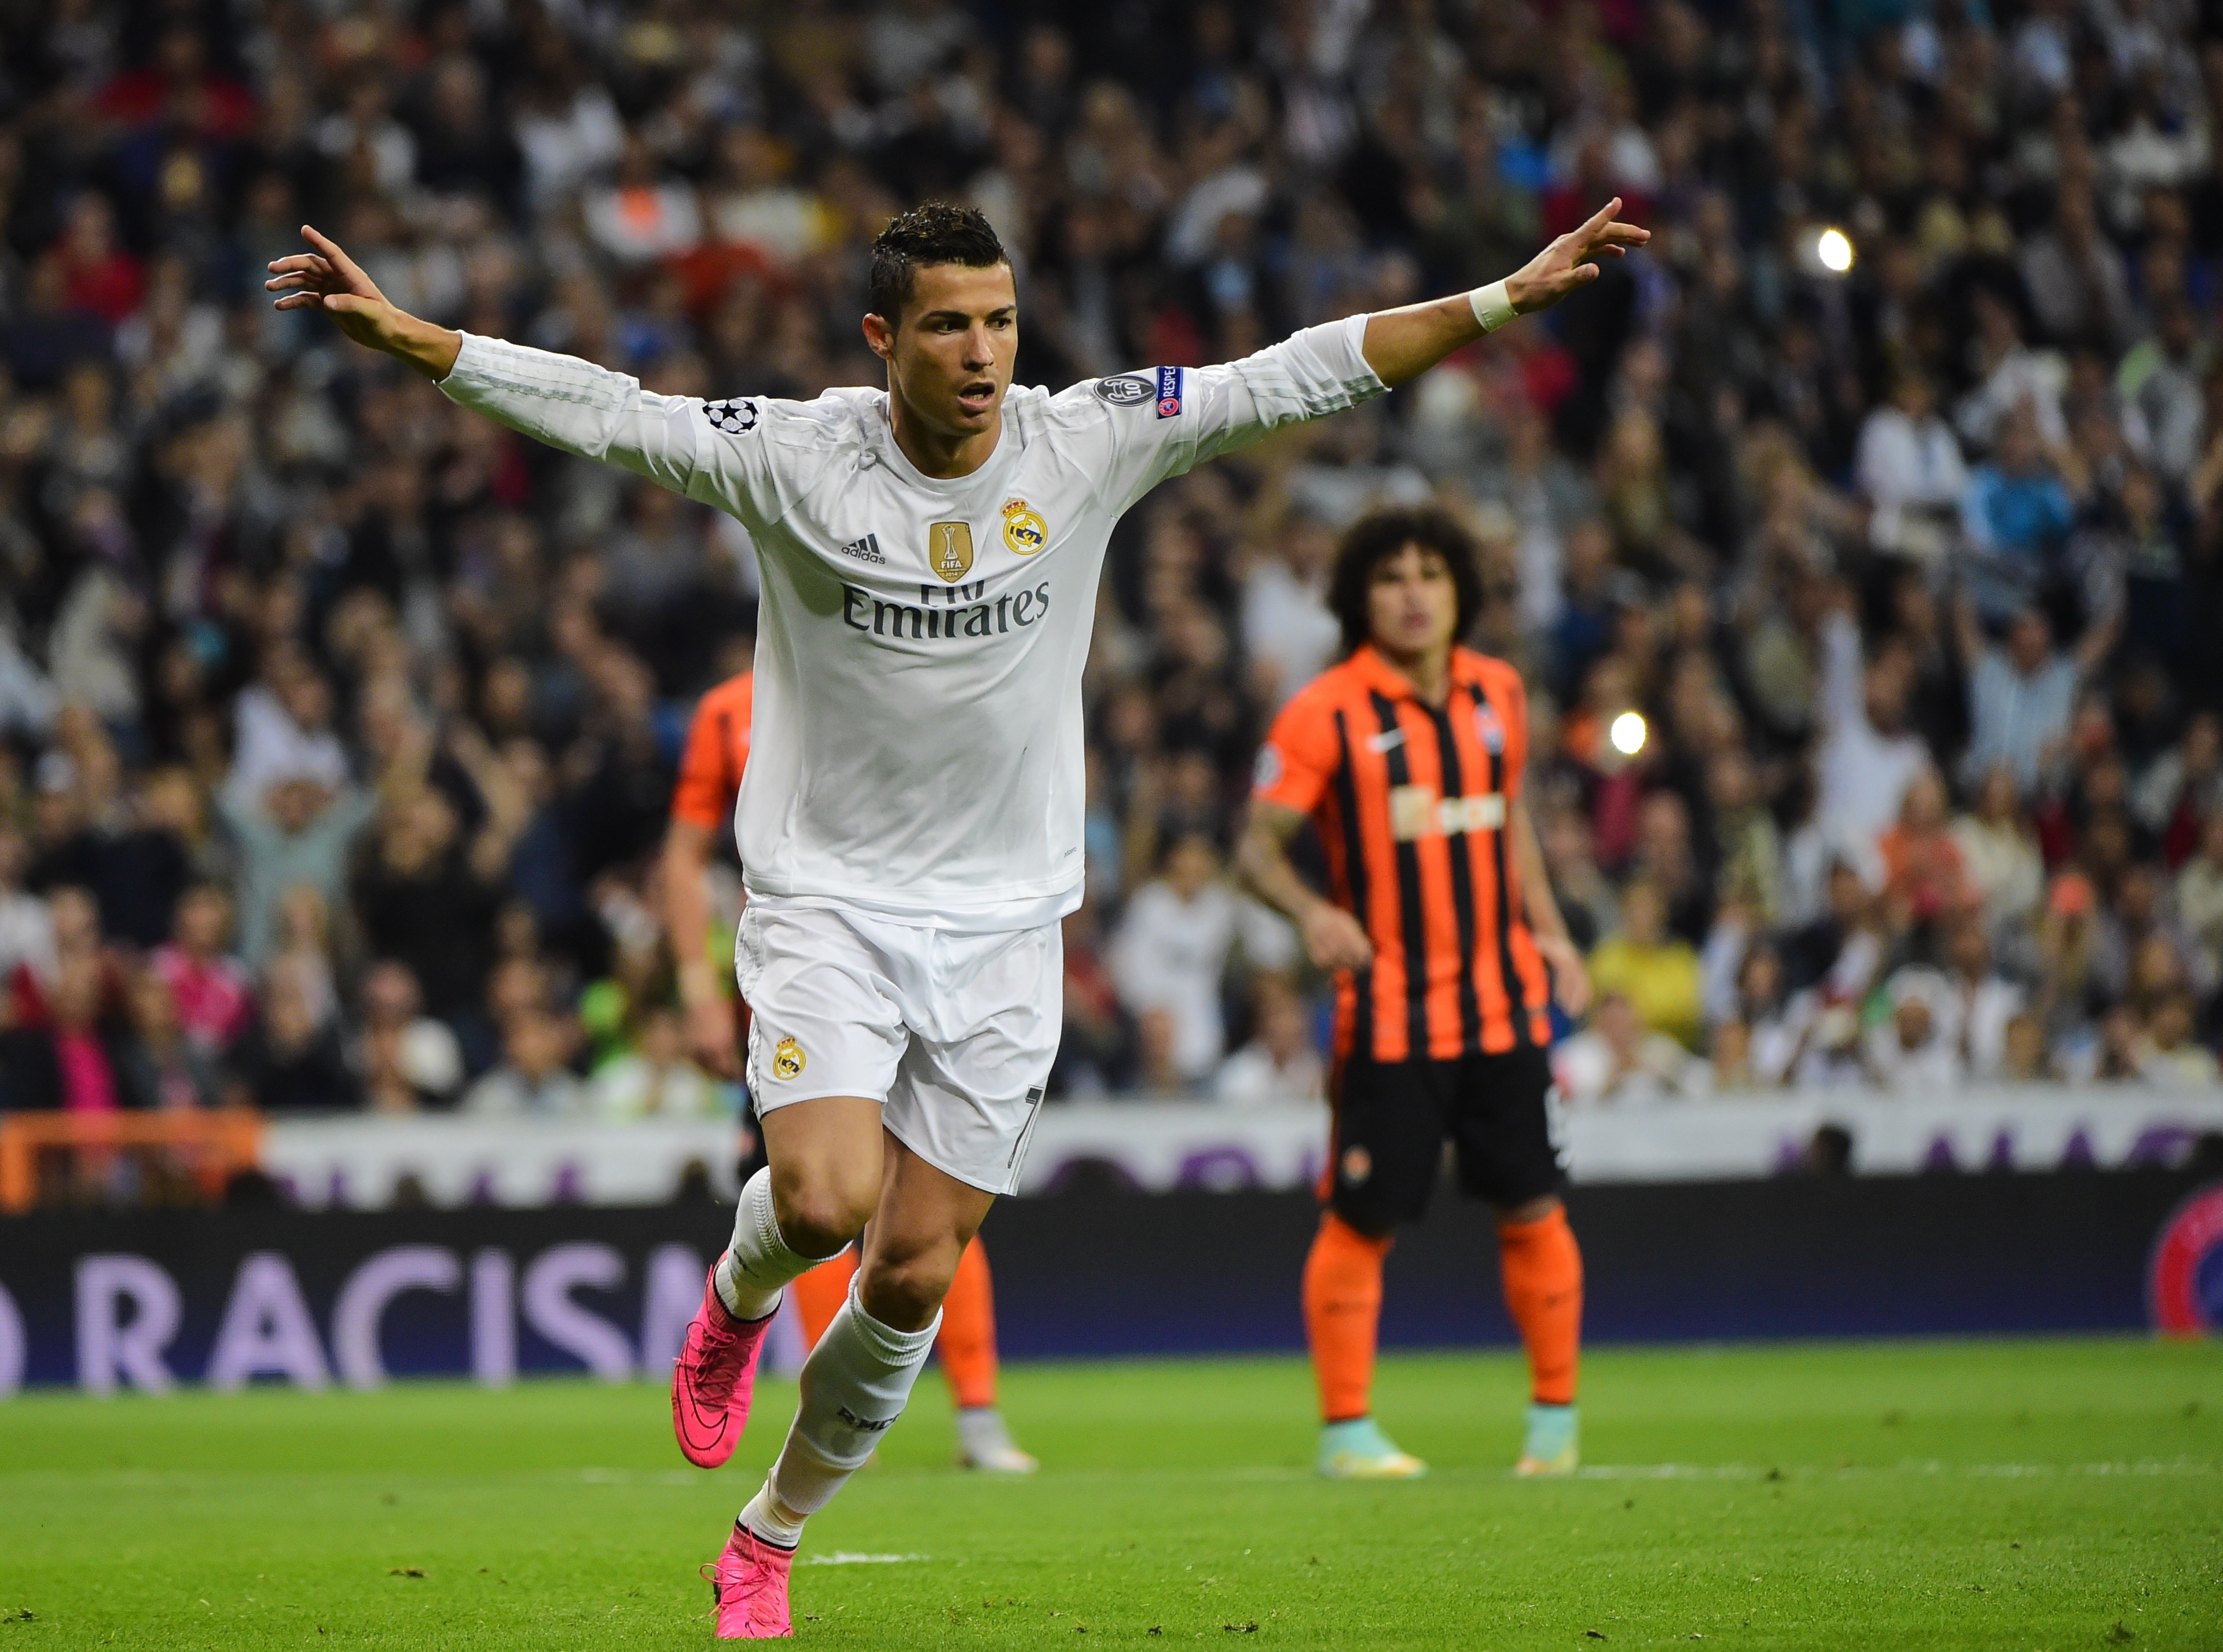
1392,1119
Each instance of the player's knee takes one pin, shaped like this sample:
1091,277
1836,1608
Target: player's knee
904,1291
818,1215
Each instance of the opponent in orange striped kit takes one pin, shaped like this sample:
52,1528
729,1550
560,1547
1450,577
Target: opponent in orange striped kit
1446,945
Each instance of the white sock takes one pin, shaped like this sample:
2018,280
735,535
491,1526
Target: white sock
763,1517
981,1431
758,1265
855,1385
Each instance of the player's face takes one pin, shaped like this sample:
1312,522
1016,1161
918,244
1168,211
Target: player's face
950,360
1412,605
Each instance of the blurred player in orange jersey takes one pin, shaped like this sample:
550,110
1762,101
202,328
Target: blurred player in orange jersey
1446,946
702,806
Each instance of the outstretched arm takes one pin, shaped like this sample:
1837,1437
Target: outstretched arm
328,280
707,453
1163,424
1402,344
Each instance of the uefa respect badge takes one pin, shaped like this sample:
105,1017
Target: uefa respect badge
2184,1282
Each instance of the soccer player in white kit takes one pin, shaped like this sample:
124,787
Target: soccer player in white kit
911,818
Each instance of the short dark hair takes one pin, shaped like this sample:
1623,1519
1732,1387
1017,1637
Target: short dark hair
1378,535
937,232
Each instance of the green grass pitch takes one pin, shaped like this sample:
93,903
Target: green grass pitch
1967,1494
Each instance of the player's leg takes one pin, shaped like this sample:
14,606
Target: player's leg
1542,1268
987,1013
1509,1155
1343,1309
967,1348
823,1206
801,1207
1388,1141
858,1377
813,1198
979,1027
824,1039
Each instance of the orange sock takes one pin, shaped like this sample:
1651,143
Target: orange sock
819,1293
968,1342
1343,1310
1543,1272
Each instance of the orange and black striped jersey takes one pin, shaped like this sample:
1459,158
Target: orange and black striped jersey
1414,805
717,752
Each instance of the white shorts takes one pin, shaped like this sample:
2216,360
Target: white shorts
954,1034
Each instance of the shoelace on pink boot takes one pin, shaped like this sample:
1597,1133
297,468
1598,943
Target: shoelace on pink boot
713,1379
749,1583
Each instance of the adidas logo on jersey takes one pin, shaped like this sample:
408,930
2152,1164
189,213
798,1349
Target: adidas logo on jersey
867,550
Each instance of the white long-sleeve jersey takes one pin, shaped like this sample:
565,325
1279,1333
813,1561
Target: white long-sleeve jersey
917,746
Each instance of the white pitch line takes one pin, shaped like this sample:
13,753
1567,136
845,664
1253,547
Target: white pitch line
2148,1467
845,1557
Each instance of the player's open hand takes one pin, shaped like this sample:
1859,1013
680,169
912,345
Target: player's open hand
1571,977
1334,939
326,279
1571,260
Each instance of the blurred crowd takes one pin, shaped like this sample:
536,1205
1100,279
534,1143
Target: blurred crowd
1859,540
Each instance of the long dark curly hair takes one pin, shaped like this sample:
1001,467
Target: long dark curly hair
1380,535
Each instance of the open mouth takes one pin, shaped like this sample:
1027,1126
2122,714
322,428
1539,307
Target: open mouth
977,397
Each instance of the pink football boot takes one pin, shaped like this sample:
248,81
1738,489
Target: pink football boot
713,1379
749,1583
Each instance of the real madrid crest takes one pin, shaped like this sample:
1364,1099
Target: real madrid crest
787,1059
949,550
1024,530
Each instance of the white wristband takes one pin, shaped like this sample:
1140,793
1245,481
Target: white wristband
1493,305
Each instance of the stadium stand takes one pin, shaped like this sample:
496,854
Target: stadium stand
1859,540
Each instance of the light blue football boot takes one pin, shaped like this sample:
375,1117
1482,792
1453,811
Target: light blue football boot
1359,1450
1553,1446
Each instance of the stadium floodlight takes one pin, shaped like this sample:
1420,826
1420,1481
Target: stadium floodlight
1627,733
1833,250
